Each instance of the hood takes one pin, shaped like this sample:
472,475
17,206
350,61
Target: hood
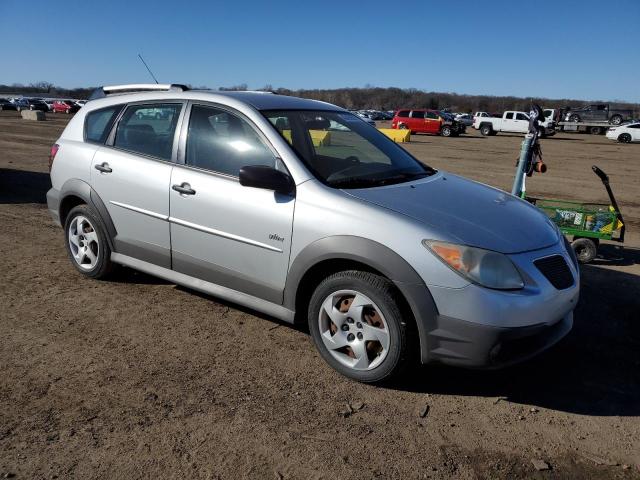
462,211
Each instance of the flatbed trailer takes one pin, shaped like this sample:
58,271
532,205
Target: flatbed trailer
595,128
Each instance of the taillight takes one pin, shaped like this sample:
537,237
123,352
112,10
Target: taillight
52,154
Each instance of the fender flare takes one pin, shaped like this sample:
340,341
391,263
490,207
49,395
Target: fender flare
378,257
84,191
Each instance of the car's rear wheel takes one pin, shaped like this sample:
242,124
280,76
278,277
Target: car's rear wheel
585,249
616,120
596,130
87,243
486,130
624,138
402,126
357,326
574,118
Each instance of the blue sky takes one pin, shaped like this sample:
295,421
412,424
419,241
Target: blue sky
576,49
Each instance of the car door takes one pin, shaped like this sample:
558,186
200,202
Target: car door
432,122
416,121
131,175
509,122
521,123
224,233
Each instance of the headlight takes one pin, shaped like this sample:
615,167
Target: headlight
484,267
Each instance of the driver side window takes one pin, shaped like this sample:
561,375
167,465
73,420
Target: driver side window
224,143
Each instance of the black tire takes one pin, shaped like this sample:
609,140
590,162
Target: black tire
585,248
402,126
446,131
624,138
486,130
574,118
615,120
596,130
103,266
384,295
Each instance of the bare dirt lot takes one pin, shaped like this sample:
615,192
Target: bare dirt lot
138,378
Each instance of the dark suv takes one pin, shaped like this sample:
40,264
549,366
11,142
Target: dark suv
599,112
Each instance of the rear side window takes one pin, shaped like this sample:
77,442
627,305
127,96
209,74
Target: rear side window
403,113
99,122
148,129
417,114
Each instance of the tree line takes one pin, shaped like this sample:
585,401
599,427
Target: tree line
368,97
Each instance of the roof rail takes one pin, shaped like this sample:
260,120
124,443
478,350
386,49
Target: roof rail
102,92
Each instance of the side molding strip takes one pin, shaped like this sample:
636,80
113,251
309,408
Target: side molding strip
268,308
219,233
195,226
149,213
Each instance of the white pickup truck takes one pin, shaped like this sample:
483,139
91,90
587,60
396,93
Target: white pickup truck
511,122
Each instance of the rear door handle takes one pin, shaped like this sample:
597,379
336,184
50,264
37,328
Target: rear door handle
184,189
104,167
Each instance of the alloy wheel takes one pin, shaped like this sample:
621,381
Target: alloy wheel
354,330
83,242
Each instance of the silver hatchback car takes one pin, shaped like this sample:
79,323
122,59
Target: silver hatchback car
302,211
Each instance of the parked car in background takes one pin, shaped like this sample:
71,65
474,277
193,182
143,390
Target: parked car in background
598,112
49,103
80,103
465,119
511,122
627,133
481,114
365,118
65,106
5,104
427,121
30,104
384,254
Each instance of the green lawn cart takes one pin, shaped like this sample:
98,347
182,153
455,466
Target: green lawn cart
585,223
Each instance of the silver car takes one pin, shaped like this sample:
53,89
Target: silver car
300,210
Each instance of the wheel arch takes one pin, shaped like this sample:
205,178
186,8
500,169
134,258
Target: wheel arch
75,192
337,253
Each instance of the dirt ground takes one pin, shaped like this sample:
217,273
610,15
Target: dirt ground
138,378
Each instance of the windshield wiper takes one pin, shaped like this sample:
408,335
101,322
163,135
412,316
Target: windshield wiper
403,176
355,182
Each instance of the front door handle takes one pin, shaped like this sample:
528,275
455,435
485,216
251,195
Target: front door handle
184,189
103,167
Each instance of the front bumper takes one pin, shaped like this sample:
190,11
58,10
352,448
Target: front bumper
479,327
457,342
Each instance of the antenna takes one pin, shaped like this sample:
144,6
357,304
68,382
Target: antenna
148,69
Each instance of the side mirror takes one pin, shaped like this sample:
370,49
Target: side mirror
268,178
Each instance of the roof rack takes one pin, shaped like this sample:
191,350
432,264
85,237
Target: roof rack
102,92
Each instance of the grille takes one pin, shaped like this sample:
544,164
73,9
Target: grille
556,270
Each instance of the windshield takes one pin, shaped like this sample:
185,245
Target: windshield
343,151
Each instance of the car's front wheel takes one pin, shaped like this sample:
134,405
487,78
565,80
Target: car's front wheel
357,325
624,138
574,118
445,131
86,243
